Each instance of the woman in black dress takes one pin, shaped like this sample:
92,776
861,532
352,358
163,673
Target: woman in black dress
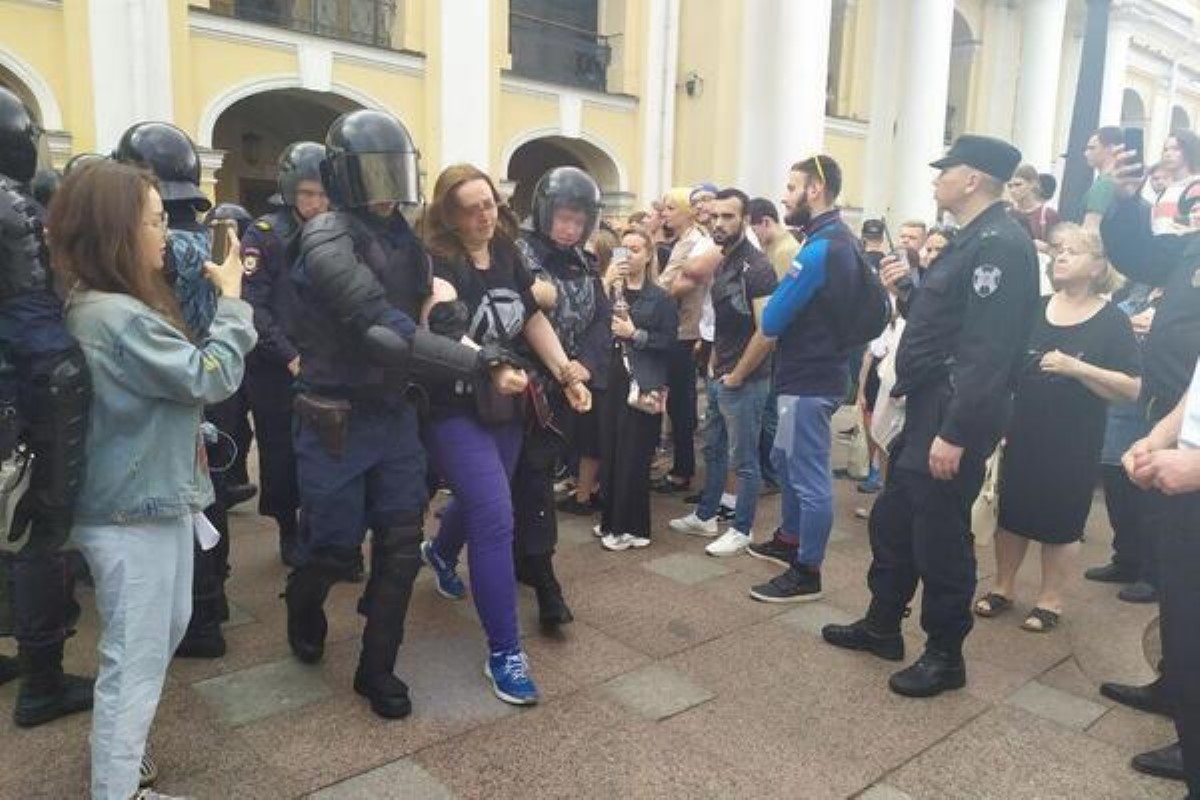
1082,354
644,329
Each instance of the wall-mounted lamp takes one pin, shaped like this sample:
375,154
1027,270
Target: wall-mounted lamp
693,84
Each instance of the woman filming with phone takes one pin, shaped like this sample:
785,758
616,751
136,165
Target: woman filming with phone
644,326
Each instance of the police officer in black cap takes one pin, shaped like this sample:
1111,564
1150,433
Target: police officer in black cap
968,322
269,249
566,208
44,396
171,155
364,282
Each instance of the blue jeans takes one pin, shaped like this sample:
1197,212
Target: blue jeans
766,442
732,425
801,457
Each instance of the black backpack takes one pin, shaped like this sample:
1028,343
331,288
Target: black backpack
864,312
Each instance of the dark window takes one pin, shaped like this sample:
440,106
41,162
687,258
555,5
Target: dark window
559,42
363,21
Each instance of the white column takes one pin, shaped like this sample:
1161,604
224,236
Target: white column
782,89
658,98
1001,56
131,65
921,123
885,88
1116,61
466,82
1068,82
1042,23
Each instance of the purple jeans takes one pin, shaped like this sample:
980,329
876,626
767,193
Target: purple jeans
477,461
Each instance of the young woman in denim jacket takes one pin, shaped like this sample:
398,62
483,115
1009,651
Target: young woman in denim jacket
147,477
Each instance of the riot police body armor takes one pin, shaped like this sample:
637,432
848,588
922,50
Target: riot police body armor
44,397
361,280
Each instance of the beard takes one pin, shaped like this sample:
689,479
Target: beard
798,217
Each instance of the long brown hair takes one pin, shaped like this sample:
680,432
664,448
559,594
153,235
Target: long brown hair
94,229
437,223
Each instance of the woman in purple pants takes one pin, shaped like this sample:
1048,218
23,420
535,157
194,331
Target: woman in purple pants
475,433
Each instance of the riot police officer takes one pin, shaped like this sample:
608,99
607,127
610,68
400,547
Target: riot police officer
968,323
566,208
171,155
44,397
269,248
362,282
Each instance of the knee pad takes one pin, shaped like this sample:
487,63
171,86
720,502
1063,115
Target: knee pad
396,548
60,394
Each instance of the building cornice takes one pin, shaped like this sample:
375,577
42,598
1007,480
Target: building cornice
552,91
216,26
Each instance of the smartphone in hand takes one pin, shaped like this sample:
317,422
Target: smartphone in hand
220,235
1135,142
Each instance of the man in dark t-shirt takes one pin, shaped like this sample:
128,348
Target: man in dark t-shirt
743,281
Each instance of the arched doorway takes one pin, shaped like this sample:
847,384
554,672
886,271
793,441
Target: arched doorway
10,81
534,158
1133,110
1180,121
962,59
253,131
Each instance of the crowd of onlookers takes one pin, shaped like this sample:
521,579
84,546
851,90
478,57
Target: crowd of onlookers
559,362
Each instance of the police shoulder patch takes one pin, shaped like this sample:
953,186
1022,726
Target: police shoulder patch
249,263
986,280
262,225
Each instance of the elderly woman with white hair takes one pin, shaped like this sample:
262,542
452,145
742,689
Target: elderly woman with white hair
1082,355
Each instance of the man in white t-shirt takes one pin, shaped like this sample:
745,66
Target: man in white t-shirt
1168,461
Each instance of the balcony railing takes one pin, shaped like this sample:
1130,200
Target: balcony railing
363,21
551,51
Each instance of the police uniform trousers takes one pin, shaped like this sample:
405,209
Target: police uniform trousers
377,482
536,531
269,388
41,586
920,530
1174,521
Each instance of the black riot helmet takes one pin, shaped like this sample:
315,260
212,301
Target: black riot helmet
80,160
299,161
370,158
19,138
566,187
170,155
230,211
44,184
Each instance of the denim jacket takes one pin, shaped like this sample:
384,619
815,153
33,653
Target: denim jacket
149,388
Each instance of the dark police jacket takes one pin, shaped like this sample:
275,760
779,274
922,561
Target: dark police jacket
656,317
355,271
582,317
268,251
968,327
1173,263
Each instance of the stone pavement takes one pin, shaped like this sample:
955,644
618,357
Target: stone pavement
671,683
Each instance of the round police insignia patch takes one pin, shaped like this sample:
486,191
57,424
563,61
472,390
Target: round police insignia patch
986,280
249,264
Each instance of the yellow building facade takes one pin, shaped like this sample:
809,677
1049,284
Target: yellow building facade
644,94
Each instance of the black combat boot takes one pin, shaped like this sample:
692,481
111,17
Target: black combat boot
10,669
537,571
934,672
395,561
305,594
1150,698
203,638
46,692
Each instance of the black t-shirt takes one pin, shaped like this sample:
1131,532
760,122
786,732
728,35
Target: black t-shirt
499,299
499,302
744,276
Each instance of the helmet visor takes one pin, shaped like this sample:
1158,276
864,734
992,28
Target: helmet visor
380,178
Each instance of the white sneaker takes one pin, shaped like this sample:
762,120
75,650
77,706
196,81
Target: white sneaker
623,541
599,534
150,794
731,543
694,525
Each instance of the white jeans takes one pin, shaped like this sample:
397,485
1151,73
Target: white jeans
143,577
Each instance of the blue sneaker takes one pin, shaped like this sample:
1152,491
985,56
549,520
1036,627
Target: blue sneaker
509,673
449,585
873,483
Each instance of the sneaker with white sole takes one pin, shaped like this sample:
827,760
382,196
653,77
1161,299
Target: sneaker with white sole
446,579
147,772
623,541
731,543
694,525
598,533
508,672
150,794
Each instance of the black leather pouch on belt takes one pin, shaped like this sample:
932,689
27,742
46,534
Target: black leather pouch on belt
328,417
